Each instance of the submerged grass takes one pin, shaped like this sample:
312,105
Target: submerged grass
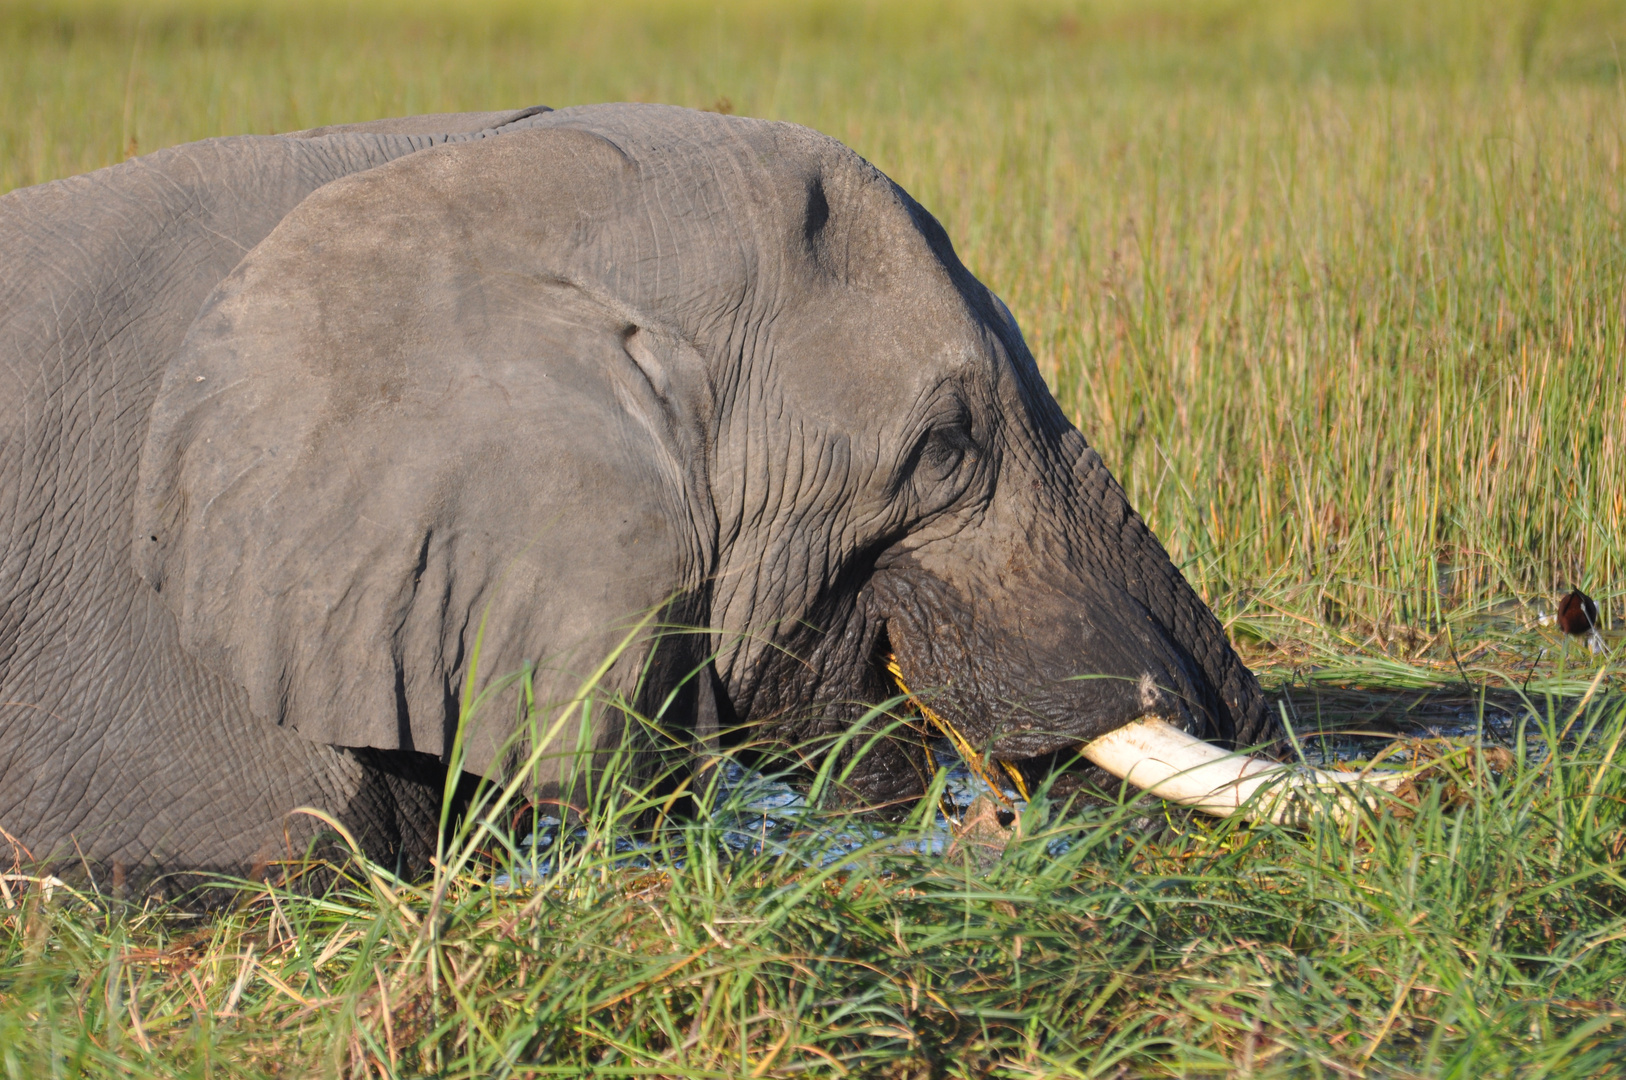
1337,289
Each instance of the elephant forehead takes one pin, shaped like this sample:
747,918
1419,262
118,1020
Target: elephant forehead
871,361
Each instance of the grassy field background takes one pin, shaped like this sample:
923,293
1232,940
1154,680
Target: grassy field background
1339,291
1336,288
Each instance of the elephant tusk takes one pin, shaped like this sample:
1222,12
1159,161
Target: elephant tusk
1165,761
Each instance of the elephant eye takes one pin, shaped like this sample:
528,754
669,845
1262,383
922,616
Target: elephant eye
942,453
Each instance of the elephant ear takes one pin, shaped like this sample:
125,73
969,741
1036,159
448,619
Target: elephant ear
399,427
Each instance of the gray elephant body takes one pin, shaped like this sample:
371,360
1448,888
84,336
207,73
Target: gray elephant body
292,418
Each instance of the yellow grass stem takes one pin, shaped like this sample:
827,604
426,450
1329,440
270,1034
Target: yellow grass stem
974,759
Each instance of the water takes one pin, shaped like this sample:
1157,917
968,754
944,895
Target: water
765,815
1340,726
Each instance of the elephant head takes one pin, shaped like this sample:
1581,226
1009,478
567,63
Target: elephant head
637,356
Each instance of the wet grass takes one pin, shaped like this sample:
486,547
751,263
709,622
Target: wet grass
1335,288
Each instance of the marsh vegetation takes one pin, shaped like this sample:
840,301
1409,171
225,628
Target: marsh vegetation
1337,291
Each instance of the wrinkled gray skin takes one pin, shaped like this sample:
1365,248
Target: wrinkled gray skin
284,417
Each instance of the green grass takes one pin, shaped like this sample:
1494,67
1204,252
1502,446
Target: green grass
1476,932
1336,288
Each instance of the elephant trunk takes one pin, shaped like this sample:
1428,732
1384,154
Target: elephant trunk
1069,627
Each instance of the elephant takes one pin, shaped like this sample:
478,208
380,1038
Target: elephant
295,426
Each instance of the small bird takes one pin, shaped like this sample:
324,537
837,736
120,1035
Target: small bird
1578,616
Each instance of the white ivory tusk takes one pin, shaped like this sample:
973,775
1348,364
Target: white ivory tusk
1163,760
